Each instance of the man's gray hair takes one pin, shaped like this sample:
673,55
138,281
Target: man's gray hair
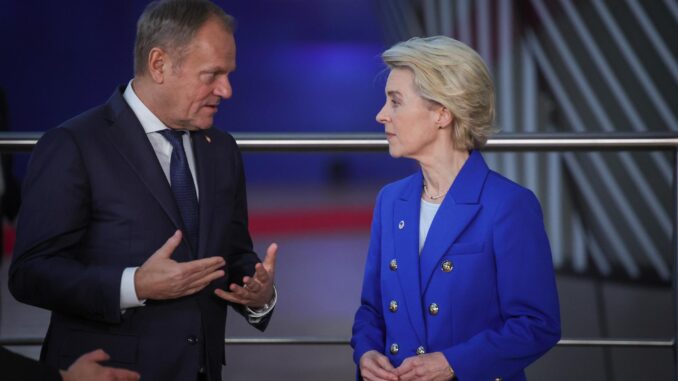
171,25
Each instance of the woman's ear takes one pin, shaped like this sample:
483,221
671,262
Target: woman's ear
445,117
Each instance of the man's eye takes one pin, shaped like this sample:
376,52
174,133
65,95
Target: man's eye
208,77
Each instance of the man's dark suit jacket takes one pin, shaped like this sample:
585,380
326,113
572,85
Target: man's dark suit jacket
95,201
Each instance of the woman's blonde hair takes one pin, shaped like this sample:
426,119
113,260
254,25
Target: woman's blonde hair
450,73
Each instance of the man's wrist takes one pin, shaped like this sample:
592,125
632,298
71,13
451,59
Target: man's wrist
266,308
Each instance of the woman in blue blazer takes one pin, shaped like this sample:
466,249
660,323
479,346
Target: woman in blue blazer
459,281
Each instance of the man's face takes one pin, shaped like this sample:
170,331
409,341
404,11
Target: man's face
192,90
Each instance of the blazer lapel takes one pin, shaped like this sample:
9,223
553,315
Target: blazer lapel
405,225
204,162
129,138
457,211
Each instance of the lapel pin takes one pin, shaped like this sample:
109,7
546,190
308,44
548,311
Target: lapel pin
401,225
209,140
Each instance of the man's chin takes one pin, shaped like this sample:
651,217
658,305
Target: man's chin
202,125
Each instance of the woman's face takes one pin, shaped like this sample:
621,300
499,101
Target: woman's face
410,122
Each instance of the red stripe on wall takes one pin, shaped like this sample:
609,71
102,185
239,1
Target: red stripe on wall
279,222
310,221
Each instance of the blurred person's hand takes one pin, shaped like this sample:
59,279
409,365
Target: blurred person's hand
87,368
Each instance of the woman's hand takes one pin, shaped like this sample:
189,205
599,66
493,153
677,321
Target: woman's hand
426,367
376,367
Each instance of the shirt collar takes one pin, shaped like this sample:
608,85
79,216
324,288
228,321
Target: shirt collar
148,120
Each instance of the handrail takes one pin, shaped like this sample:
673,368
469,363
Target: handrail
322,341
302,142
23,142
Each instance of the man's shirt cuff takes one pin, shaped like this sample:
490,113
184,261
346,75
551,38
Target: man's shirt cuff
128,293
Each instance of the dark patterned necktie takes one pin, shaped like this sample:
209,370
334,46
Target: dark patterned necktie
183,187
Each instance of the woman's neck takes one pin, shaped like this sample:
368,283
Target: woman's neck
440,171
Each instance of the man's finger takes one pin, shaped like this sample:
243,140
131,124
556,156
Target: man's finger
201,267
166,250
251,284
241,291
260,274
207,279
228,296
271,254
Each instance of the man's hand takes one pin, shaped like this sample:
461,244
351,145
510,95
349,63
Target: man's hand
376,367
256,291
426,367
86,368
161,277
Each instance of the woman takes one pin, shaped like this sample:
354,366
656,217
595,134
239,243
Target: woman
459,280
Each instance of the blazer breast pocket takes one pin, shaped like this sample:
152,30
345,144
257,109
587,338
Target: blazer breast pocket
463,248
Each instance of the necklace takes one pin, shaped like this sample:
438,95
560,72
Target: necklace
439,195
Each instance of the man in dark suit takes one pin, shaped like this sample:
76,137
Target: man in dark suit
14,367
135,216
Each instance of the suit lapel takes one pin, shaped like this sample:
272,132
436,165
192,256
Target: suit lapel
204,162
406,230
457,211
129,138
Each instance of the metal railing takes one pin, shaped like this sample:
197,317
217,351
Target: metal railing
24,142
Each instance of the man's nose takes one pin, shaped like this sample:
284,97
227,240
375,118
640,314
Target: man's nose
223,88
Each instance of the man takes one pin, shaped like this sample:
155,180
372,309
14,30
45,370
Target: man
128,219
14,367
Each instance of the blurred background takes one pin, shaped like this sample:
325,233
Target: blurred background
312,66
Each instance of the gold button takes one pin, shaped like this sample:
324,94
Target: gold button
393,265
420,350
394,348
433,309
447,266
393,306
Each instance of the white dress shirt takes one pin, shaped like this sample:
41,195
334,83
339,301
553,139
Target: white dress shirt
163,150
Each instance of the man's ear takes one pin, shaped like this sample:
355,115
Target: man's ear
158,64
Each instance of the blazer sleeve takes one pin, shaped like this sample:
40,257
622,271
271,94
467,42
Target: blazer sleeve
48,269
368,325
528,298
241,259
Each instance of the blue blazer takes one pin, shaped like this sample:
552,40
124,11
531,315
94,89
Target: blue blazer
95,201
482,291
